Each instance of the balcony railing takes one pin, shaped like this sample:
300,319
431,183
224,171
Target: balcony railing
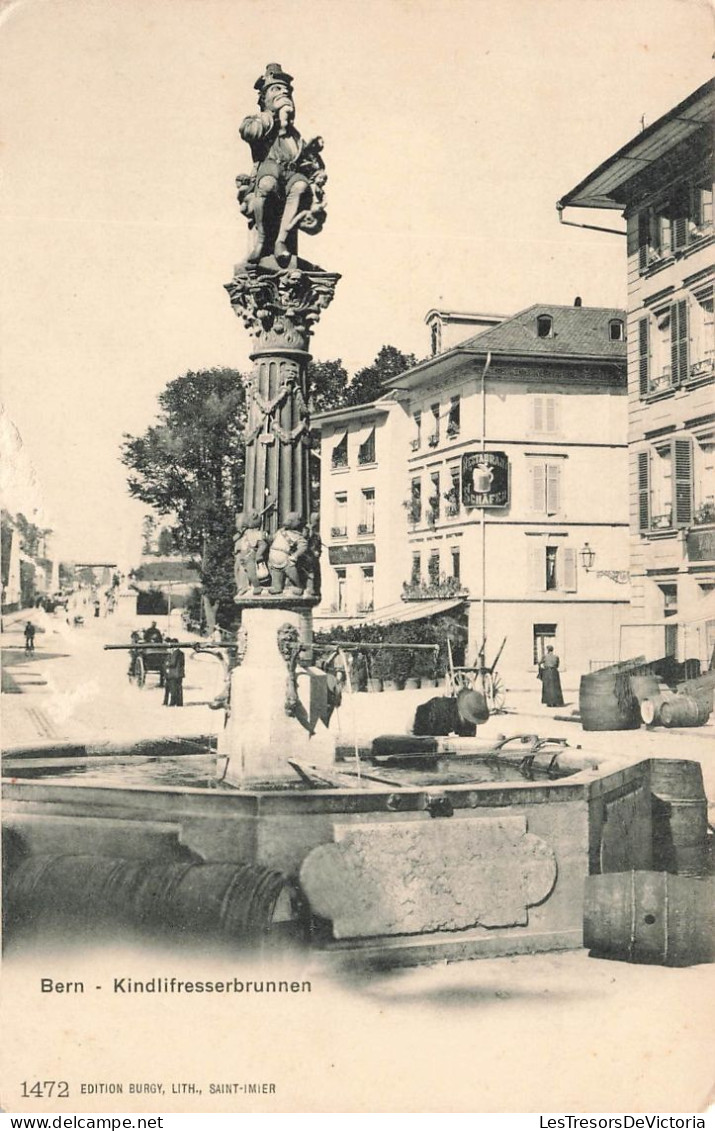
415,444
365,607
367,456
366,528
452,431
661,382
442,589
340,460
661,521
703,368
433,440
338,531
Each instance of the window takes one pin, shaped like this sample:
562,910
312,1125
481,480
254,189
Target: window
367,524
433,438
416,569
675,224
453,421
546,487
436,336
545,414
704,480
551,578
342,590
665,485
417,437
456,563
433,513
545,326
415,501
433,568
366,451
367,595
552,568
340,511
615,330
543,636
340,452
453,495
702,331
663,349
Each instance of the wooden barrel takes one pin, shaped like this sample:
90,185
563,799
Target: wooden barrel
650,917
606,702
685,711
650,708
235,900
679,816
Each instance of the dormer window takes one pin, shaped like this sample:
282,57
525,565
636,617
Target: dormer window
545,326
615,330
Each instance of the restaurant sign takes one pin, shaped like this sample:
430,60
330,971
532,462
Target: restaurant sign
361,553
485,479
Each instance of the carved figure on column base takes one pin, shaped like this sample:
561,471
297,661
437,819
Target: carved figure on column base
287,549
250,548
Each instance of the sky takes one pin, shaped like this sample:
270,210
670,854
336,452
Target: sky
451,128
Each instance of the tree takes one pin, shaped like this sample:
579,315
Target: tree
327,383
369,383
189,464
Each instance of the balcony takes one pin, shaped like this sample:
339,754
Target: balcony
661,382
338,531
700,370
431,590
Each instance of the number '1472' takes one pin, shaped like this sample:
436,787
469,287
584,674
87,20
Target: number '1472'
44,1089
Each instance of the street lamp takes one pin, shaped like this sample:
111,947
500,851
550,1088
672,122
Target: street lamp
588,557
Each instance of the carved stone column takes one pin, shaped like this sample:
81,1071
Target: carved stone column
279,309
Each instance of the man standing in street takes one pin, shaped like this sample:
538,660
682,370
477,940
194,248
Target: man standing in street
175,670
29,637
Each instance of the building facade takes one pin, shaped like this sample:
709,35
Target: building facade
499,461
662,183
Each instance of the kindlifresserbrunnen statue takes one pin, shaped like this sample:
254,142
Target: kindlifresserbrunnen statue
279,298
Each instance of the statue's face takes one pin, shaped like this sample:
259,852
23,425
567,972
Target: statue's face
277,95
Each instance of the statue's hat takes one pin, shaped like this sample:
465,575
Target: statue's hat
273,73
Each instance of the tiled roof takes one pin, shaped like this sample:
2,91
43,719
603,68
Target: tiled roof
578,331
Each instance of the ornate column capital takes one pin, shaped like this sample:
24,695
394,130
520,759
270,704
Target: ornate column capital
280,308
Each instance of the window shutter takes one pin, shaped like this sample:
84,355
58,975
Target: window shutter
682,371
538,487
553,488
643,240
683,482
551,406
538,414
569,569
644,490
537,568
644,355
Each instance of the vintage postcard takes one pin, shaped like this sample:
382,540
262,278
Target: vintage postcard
358,557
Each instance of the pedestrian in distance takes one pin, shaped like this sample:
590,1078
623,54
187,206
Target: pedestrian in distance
175,670
548,673
29,637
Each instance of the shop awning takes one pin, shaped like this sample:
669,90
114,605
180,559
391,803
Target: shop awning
404,611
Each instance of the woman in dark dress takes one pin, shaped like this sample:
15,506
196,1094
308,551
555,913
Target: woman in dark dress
551,693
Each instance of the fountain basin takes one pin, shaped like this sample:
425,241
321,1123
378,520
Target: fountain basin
410,874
